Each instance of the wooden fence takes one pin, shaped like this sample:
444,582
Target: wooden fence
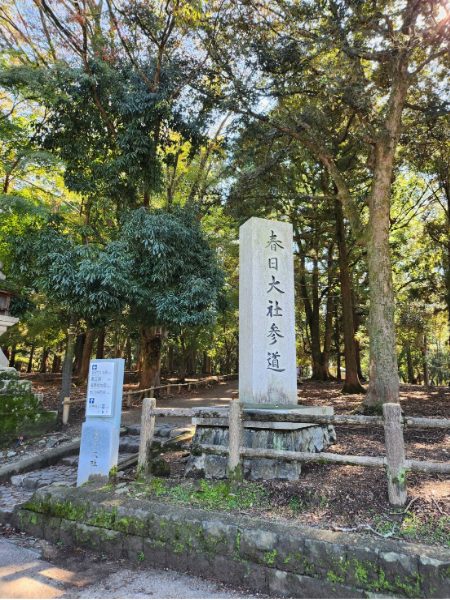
236,417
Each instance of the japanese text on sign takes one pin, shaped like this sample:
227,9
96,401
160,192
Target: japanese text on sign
274,288
100,390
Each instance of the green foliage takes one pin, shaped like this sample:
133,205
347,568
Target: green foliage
416,527
174,271
160,266
214,495
18,406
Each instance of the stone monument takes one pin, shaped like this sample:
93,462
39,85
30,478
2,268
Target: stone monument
99,449
267,364
267,361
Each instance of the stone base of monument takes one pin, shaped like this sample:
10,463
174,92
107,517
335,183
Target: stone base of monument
297,437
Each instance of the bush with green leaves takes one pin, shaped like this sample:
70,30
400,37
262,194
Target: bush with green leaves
159,266
18,406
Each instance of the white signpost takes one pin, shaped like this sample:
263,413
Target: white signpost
267,357
100,433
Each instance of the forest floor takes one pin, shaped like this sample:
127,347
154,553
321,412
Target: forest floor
328,496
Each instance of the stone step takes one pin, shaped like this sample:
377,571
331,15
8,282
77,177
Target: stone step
70,461
22,487
133,429
129,443
163,430
11,497
63,474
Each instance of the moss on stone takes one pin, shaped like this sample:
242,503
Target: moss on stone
103,518
269,557
333,577
67,510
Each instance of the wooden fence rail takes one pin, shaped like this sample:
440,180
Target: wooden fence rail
237,417
215,413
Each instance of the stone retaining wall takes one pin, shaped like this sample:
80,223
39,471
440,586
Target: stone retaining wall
273,558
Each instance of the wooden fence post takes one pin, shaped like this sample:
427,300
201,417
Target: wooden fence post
235,434
146,438
66,410
395,454
129,402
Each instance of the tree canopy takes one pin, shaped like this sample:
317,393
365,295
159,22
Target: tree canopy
137,136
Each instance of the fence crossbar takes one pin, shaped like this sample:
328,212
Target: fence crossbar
296,417
329,457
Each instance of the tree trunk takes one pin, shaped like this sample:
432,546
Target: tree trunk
170,360
44,360
86,356
318,370
337,345
12,356
383,379
409,365
447,278
311,309
191,361
78,352
128,358
358,362
383,370
357,323
426,380
352,384
182,369
328,334
206,368
30,359
151,342
66,383
100,353
182,360
56,363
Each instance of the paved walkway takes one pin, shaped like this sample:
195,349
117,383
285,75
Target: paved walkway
24,574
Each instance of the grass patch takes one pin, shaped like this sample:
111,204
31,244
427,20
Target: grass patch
426,529
214,495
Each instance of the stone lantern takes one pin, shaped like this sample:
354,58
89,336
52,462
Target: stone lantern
5,318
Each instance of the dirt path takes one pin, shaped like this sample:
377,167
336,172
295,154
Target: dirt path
219,394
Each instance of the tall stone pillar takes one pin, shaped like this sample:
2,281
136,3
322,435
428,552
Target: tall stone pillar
267,358
267,363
